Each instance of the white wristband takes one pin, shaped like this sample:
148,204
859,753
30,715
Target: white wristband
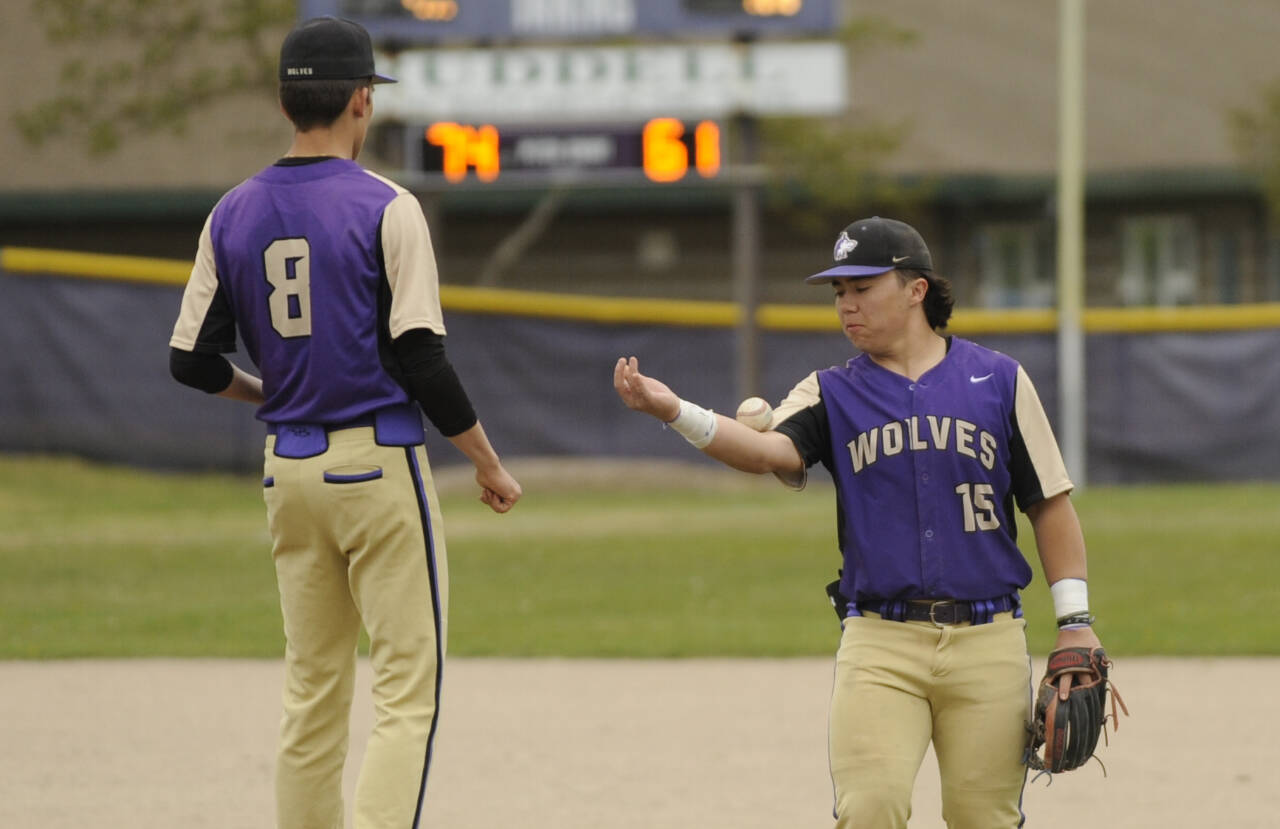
1070,597
696,424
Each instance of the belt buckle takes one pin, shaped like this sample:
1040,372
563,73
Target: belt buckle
933,608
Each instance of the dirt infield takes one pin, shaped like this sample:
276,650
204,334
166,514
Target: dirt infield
543,744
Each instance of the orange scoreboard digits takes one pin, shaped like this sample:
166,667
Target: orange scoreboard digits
663,149
666,158
464,148
667,149
706,148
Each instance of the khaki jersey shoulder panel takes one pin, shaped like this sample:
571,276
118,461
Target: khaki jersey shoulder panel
198,295
803,395
411,265
1037,434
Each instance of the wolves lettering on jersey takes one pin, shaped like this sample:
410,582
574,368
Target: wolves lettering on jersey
925,476
893,437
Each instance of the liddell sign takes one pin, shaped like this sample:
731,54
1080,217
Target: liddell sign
540,85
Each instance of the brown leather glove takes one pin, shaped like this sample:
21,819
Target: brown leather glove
1071,709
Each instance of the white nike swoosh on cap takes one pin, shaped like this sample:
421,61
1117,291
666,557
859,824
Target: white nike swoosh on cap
981,379
898,259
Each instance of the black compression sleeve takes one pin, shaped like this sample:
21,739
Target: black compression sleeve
430,378
211,373
810,431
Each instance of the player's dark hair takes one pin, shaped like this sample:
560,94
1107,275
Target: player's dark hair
938,300
317,103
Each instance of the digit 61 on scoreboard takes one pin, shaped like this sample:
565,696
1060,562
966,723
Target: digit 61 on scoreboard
666,149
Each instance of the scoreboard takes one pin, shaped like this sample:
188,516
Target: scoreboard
414,22
527,88
664,149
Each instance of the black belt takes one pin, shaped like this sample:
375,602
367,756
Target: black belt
941,611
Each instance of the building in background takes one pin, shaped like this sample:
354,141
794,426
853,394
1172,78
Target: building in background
1173,218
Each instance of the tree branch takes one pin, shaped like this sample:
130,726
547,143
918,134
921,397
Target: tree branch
103,98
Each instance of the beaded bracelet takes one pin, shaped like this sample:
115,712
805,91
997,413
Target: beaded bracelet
1075,621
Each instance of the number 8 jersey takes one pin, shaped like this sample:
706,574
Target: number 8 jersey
927,473
319,264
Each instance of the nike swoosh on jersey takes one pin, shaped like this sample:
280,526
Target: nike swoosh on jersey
981,379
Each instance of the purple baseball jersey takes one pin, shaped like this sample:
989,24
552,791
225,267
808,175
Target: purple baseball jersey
319,265
927,473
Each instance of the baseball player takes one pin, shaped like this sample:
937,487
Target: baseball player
327,273
931,441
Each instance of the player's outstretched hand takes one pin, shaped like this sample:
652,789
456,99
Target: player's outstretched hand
644,394
498,490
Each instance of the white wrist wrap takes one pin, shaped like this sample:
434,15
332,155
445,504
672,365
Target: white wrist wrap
1070,596
696,424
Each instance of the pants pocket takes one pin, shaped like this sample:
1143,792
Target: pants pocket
353,474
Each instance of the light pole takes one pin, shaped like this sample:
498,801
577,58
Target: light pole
1070,209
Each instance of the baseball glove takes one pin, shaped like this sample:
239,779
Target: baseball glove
1071,709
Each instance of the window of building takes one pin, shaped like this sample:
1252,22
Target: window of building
1016,264
1272,266
1227,247
1159,261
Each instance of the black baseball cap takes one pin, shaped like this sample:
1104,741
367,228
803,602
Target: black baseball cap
870,247
328,49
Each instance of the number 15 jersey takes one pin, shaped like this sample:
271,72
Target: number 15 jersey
927,473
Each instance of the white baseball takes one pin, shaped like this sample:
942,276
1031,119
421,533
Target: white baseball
756,413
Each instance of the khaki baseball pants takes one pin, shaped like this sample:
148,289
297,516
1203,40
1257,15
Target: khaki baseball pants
900,685
357,539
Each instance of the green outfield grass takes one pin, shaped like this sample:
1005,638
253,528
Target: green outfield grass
101,561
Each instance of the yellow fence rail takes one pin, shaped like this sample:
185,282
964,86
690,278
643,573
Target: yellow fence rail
692,313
